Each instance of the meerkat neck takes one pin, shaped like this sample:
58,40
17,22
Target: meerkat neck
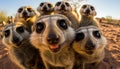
74,20
45,13
87,21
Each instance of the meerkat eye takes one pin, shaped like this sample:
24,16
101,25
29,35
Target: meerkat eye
7,33
29,9
58,3
62,23
96,34
39,27
79,36
84,6
20,29
67,4
92,8
49,5
41,4
20,10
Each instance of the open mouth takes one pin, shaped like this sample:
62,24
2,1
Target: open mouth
54,48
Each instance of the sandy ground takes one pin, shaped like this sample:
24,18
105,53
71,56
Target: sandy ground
112,57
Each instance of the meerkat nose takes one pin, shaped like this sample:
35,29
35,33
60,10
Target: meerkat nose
90,45
53,39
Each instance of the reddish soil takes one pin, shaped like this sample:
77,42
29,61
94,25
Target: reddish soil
112,50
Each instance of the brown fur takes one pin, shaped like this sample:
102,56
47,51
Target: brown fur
27,19
68,12
21,52
63,55
47,11
83,54
87,16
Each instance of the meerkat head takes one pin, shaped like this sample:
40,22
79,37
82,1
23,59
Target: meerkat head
13,34
88,10
10,19
25,12
88,40
52,33
62,7
45,7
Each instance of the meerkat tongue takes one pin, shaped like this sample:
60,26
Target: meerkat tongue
54,46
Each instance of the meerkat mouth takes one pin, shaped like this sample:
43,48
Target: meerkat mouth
90,52
54,48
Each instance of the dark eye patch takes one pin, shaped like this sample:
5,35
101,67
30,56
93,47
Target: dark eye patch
58,4
29,9
40,27
96,34
79,36
49,5
92,8
20,29
41,4
84,6
67,4
7,33
20,10
62,23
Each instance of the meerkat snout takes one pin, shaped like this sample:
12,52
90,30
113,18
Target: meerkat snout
53,39
89,45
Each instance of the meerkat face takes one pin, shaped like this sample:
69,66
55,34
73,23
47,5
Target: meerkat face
45,7
25,12
13,34
88,10
89,39
62,7
52,32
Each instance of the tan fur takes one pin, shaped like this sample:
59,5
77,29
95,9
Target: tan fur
45,8
85,52
87,16
10,19
21,52
57,53
26,17
68,11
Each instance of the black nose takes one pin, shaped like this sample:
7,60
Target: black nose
44,8
62,7
15,40
87,11
90,45
53,39
25,13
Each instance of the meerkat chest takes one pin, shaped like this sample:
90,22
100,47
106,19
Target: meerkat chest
59,59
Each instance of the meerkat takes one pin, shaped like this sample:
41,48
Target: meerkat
21,52
10,19
27,15
64,8
89,45
45,8
88,14
52,35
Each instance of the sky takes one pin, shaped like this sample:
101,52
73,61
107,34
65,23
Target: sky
103,7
